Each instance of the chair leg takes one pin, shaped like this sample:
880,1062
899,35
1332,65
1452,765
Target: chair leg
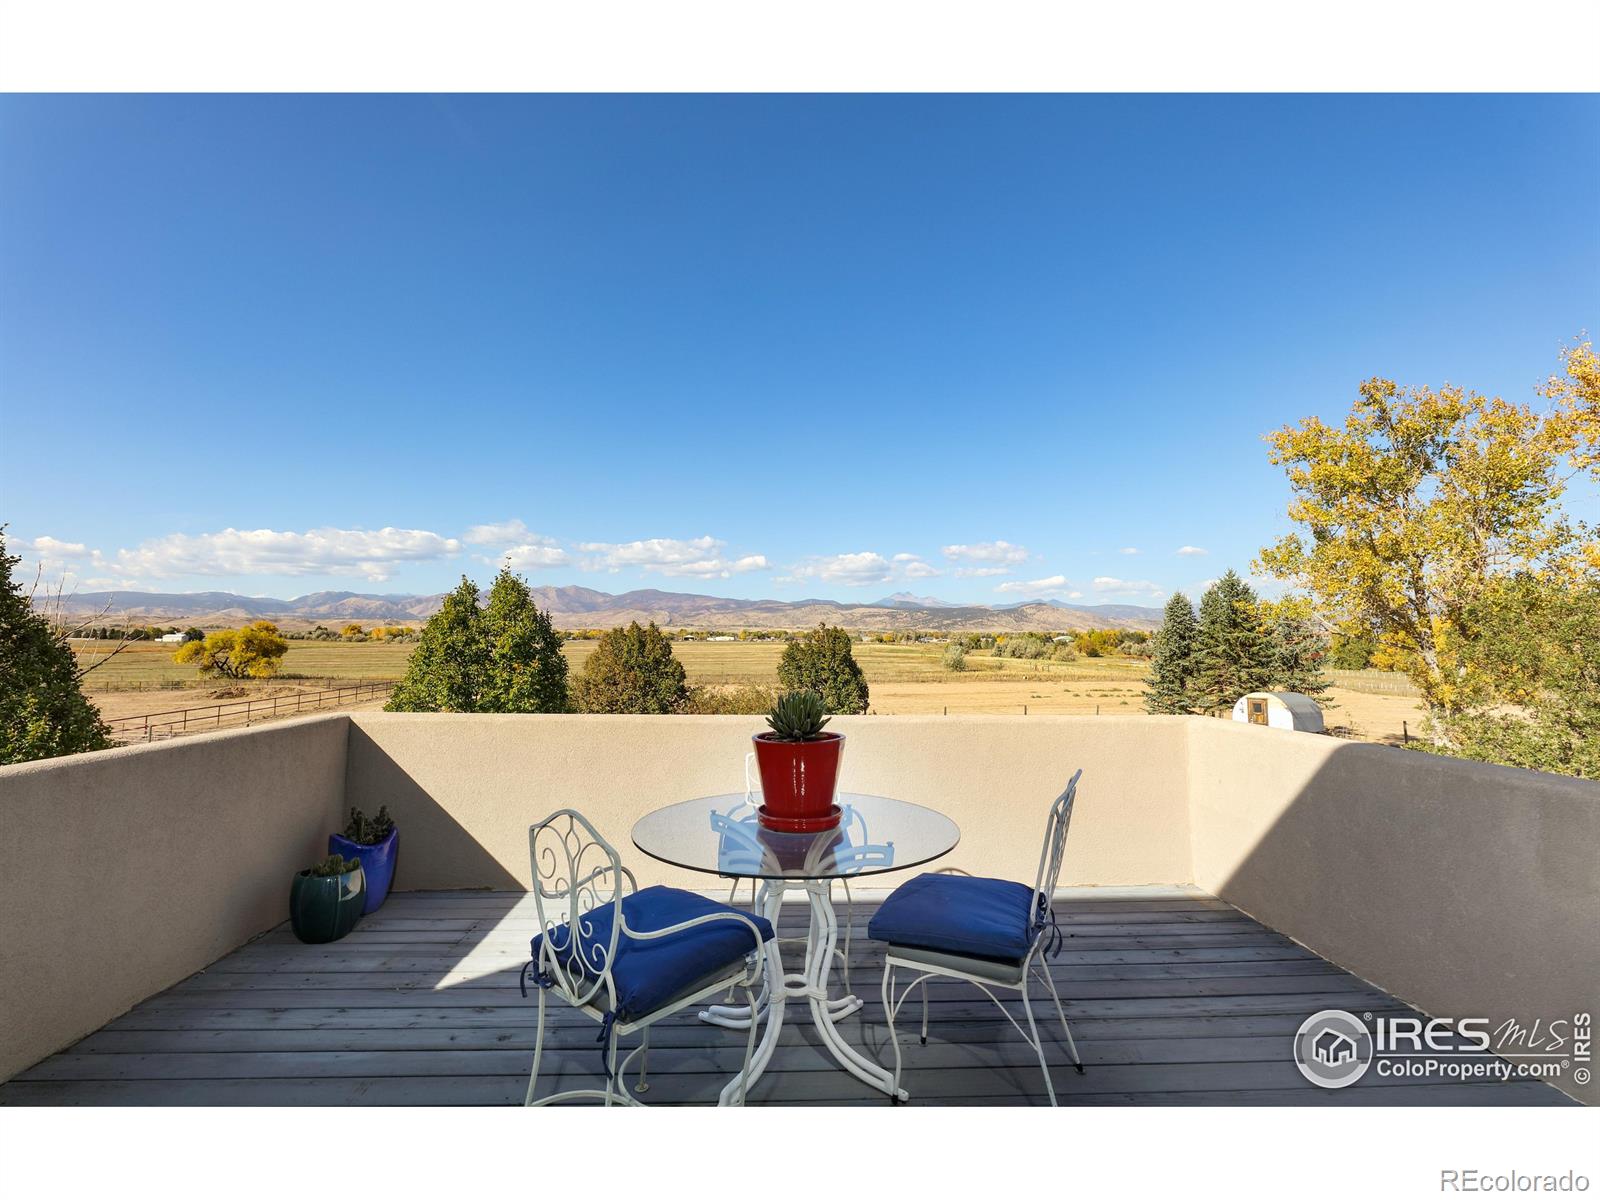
1038,1042
888,1016
644,1063
749,1048
538,1050
924,986
611,1066
1072,1046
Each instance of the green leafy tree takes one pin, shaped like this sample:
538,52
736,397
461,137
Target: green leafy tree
821,661
955,657
1350,651
502,657
1410,508
43,711
1536,664
1174,660
632,670
254,651
1233,652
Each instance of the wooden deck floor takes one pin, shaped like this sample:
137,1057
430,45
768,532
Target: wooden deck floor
1175,998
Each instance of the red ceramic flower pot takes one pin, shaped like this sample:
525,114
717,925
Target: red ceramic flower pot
798,781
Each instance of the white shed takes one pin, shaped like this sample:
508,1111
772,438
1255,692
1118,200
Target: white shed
1280,710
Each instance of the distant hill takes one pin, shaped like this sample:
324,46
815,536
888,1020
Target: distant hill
907,600
586,608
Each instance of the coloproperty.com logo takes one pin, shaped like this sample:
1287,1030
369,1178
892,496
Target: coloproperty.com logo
1334,1048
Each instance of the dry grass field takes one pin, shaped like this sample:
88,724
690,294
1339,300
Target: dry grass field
903,679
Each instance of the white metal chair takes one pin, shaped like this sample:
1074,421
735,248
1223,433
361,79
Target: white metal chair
989,932
626,957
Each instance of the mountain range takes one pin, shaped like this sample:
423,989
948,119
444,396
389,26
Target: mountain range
586,608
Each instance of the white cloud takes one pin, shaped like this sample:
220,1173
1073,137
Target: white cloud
913,566
520,548
371,553
1053,585
542,553
988,552
981,572
504,533
1143,587
48,547
1192,551
698,558
852,570
1129,550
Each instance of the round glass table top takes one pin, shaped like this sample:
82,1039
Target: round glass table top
721,835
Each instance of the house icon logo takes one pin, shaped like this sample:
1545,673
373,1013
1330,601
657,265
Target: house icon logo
1333,1048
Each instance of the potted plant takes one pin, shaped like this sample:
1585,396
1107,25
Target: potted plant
799,766
325,900
375,843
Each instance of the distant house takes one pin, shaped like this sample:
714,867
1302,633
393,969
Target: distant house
170,637
722,637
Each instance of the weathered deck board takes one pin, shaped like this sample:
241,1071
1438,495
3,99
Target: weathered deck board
1175,998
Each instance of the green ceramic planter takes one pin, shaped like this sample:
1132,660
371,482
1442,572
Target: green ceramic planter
325,908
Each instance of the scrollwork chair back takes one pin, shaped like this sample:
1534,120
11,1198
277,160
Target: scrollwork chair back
576,876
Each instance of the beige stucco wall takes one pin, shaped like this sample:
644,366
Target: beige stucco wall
467,787
124,871
1465,889
1468,890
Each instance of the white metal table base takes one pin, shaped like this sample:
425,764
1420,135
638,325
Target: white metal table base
821,945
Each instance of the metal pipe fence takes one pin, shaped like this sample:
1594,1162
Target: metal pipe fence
227,714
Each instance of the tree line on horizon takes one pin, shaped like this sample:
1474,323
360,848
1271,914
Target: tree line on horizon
502,654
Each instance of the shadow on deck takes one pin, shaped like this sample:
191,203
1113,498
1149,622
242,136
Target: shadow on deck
1174,997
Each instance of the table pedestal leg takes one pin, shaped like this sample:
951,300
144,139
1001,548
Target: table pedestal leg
811,983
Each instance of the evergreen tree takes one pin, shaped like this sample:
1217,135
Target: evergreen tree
526,670
1233,651
43,711
632,670
1299,651
822,661
1171,684
505,658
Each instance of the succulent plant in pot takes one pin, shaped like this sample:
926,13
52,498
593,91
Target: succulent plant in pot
375,842
799,765
326,899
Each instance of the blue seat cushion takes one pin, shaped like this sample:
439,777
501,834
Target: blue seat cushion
959,914
651,972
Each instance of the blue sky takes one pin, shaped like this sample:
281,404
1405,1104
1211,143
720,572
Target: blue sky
981,348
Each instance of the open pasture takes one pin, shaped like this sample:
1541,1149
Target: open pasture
904,678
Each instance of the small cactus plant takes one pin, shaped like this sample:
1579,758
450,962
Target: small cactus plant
797,717
365,831
334,864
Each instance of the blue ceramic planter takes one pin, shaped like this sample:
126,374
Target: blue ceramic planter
377,862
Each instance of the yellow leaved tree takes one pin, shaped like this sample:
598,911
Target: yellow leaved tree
253,652
1413,506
